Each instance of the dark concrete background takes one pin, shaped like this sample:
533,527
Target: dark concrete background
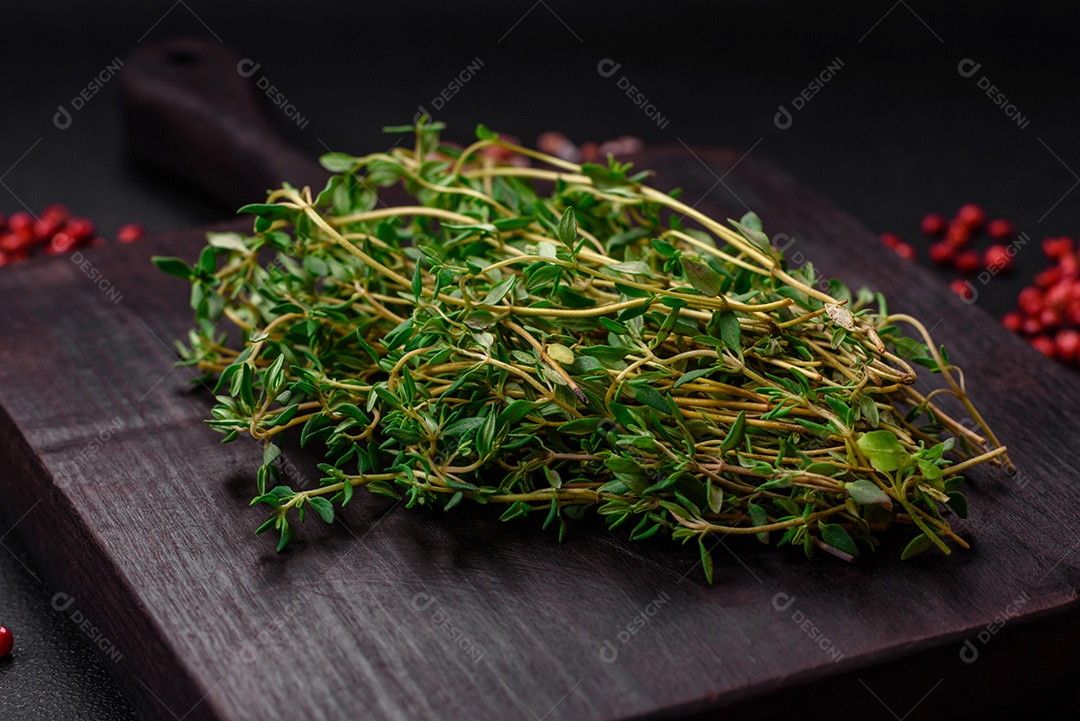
896,133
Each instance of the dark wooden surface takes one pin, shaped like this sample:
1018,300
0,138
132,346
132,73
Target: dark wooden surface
134,508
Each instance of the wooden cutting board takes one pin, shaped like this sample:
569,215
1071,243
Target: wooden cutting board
139,517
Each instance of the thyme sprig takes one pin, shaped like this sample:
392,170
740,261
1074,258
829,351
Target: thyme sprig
560,337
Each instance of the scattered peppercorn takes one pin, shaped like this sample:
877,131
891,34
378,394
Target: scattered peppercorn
7,642
933,225
973,216
54,232
1001,230
969,262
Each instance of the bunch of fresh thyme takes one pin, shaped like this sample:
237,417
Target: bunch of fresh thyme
558,338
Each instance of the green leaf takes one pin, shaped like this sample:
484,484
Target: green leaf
463,426
485,437
568,230
704,279
751,220
417,281
716,497
454,500
958,502
632,267
274,377
917,545
286,535
207,260
836,536
338,162
868,409
580,427
883,450
560,353
607,353
649,396
500,290
754,235
735,434
484,133
323,507
515,412
692,376
867,493
706,559
758,517
316,266
270,211
173,266
730,332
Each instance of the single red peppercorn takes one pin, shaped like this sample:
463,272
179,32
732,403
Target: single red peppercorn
998,259
1067,344
60,243
1073,313
10,243
79,228
942,253
1050,319
1031,301
972,215
969,262
1031,326
1001,229
7,642
890,240
905,251
962,288
1057,247
130,233
933,225
958,235
1013,321
1044,344
1048,277
21,221
56,212
1058,295
1068,265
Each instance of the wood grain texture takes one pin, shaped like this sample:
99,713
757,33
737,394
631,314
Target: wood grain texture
137,511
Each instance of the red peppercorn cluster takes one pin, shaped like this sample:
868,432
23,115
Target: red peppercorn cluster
952,244
1048,312
55,231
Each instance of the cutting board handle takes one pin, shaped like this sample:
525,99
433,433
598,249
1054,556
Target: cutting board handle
192,109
